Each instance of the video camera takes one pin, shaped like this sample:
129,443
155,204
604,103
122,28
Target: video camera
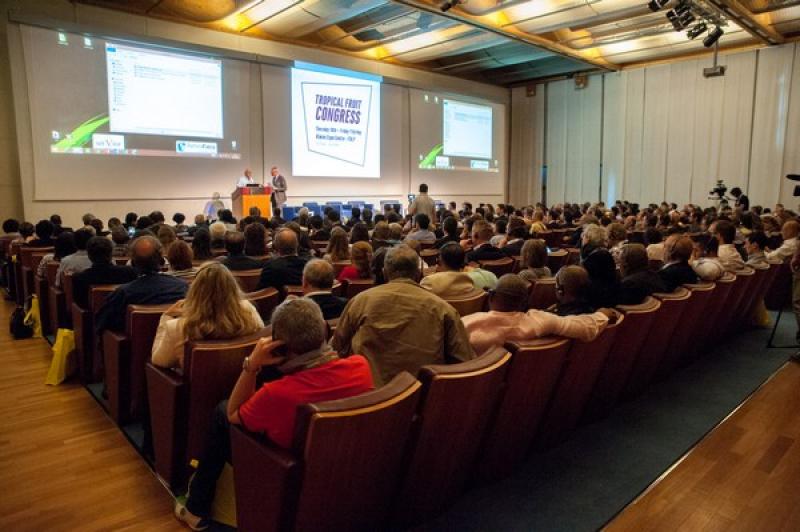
718,192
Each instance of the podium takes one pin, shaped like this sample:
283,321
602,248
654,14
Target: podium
246,197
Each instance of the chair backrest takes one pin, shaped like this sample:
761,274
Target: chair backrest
210,370
472,303
338,266
248,279
141,324
26,254
672,305
265,301
574,256
557,259
553,239
628,342
719,300
459,401
430,256
121,261
530,380
543,293
584,362
68,291
98,295
356,286
690,327
219,252
754,294
498,267
779,290
733,307
350,485
51,271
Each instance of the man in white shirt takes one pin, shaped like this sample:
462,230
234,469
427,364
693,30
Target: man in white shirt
507,319
789,231
423,204
728,255
246,179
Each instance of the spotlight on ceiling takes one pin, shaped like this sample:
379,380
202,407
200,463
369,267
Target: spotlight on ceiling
697,31
712,37
681,16
655,5
449,4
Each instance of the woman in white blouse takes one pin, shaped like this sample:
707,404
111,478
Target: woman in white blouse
214,309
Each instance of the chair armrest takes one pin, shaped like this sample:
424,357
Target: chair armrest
116,357
165,391
266,480
82,326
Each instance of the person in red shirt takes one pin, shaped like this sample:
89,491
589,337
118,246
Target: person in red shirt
312,372
361,258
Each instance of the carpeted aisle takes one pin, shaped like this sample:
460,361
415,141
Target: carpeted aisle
586,481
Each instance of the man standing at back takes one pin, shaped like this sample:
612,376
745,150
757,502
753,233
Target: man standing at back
150,288
399,325
423,204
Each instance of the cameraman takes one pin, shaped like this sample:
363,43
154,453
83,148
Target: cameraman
741,200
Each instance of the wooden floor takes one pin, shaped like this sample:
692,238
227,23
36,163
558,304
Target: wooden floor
65,466
63,463
745,475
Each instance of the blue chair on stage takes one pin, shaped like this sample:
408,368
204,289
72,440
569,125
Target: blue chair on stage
289,213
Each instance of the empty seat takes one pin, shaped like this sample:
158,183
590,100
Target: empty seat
265,301
543,293
630,337
460,400
470,304
584,362
498,267
182,404
342,470
530,380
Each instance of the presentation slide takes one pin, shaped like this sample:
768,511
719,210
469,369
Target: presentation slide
459,135
151,102
335,122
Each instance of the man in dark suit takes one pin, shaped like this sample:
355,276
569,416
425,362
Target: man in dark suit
638,281
151,287
318,277
287,267
517,231
236,259
102,271
482,250
676,270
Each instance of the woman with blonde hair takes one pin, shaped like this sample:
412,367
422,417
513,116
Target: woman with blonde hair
338,246
361,267
214,309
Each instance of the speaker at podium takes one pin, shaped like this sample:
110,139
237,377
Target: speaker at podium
244,198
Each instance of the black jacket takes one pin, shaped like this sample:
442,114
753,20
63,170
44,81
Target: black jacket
331,305
149,289
98,274
282,271
237,263
674,275
485,252
636,287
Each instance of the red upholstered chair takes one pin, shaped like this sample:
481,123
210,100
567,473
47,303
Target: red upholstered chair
691,325
543,293
630,338
182,404
125,355
247,279
734,307
265,301
353,287
459,402
430,256
342,471
717,306
557,259
498,267
584,363
530,380
475,302
779,291
672,306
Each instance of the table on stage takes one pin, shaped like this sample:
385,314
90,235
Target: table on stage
246,197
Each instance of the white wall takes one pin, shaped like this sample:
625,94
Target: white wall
665,132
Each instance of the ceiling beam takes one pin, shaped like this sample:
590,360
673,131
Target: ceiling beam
513,34
742,16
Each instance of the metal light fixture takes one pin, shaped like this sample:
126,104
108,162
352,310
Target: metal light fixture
655,5
712,37
696,31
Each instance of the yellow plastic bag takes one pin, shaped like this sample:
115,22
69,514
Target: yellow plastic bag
761,316
63,364
33,318
223,509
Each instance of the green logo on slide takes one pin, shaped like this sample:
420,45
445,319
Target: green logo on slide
83,133
429,162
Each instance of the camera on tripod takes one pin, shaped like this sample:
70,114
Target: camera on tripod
718,192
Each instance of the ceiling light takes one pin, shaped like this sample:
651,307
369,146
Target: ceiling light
655,5
712,37
681,16
697,31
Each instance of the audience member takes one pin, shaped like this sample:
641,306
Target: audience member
287,267
180,227
361,258
638,281
214,309
786,251
572,285
102,271
677,271
704,259
201,244
450,229
359,233
423,234
236,260
507,319
729,257
755,244
318,276
655,246
167,236
180,260
63,246
312,372
482,249
400,325
450,281
78,261
120,239
217,232
44,235
534,261
338,246
150,288
515,240
255,241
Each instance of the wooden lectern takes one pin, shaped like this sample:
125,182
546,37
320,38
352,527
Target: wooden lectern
246,197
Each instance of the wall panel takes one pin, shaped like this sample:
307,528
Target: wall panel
655,139
681,119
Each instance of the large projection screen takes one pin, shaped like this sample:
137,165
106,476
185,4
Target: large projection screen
123,120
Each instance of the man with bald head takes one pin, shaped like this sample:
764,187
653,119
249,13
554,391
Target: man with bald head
318,277
507,319
151,287
677,271
572,286
400,326
638,281
789,231
236,259
286,267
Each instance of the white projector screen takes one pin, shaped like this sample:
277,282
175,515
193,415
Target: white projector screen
335,122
